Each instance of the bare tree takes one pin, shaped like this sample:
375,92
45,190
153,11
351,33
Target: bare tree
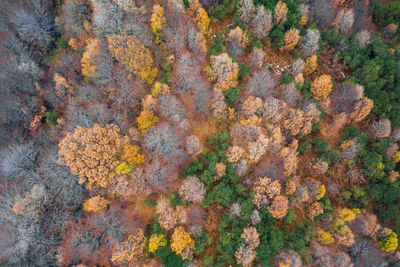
380,129
310,42
18,161
256,58
364,252
363,37
323,12
246,10
261,83
164,141
34,23
262,22
75,13
192,189
172,108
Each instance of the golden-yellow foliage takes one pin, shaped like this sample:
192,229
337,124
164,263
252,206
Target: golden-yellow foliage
303,20
158,22
156,241
324,238
146,120
322,192
124,168
311,64
86,61
389,242
132,250
131,155
95,204
91,153
321,87
203,21
396,157
133,55
346,215
181,242
158,88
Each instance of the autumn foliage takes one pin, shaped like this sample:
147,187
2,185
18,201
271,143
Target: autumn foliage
224,71
156,241
88,67
95,204
91,153
322,87
292,37
131,251
133,55
199,133
182,243
146,120
158,22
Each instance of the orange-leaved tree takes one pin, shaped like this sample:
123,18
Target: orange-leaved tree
280,12
91,153
292,37
321,87
95,204
131,251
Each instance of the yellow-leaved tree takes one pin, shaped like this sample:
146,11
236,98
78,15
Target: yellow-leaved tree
87,65
156,241
133,55
158,22
311,64
182,243
203,21
389,241
146,120
201,17
131,157
324,238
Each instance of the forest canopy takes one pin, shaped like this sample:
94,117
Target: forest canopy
199,133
